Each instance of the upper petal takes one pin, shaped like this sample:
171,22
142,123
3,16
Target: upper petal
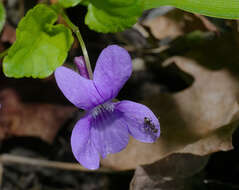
109,133
77,89
82,146
135,115
113,69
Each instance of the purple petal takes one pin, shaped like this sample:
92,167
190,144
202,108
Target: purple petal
113,69
135,115
81,66
109,133
77,89
82,146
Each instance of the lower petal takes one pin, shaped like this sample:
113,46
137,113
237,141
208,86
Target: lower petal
135,115
82,146
109,133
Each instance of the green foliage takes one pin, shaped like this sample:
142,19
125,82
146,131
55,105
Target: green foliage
116,15
228,9
40,45
113,15
2,16
69,3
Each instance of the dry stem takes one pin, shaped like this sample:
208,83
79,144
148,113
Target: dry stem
9,159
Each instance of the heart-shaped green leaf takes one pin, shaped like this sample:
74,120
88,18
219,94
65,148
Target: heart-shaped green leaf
113,15
40,45
116,15
216,8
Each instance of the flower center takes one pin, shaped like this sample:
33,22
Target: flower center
103,108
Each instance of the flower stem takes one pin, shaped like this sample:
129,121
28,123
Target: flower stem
76,30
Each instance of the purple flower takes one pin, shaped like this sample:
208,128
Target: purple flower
106,126
80,64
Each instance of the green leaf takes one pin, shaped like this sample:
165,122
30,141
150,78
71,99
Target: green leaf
69,3
40,45
228,9
2,16
116,15
113,15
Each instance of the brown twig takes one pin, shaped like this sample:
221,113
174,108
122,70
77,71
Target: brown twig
1,172
9,159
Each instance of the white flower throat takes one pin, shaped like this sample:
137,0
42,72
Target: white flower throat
102,108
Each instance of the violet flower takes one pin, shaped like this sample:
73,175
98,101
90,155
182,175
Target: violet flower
106,126
80,64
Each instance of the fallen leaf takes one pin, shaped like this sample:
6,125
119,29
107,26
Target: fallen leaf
38,120
176,23
164,26
208,24
198,120
8,34
172,173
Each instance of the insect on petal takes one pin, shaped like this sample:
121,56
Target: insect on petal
135,115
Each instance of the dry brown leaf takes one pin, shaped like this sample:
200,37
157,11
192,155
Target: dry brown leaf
176,23
39,120
8,34
163,27
171,173
198,120
208,24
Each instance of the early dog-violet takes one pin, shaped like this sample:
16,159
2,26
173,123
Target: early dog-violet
81,66
106,126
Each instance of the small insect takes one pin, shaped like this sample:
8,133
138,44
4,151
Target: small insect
149,126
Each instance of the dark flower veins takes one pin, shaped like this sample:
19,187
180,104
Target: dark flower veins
106,126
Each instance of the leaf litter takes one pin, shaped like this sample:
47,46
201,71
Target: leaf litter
199,119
